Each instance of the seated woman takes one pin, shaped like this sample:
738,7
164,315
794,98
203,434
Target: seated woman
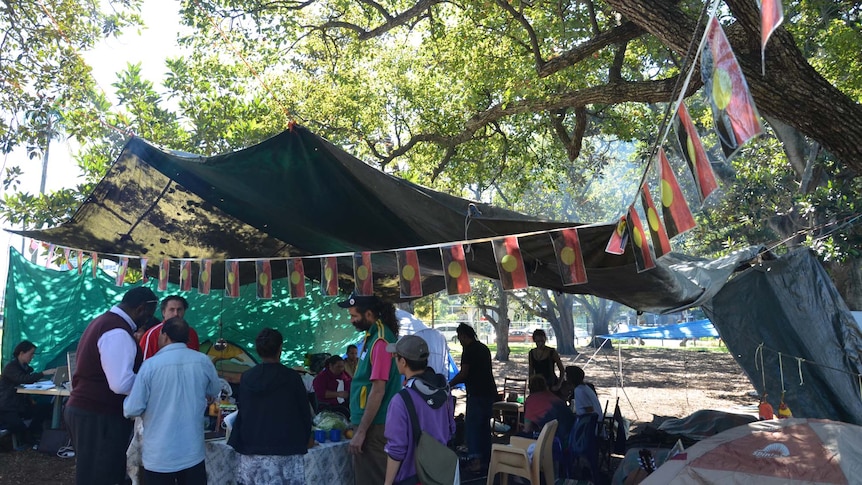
542,359
584,398
14,407
273,418
332,386
542,406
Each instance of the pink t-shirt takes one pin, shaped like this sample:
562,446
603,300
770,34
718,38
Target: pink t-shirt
381,361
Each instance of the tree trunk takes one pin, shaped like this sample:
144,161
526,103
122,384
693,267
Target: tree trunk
559,314
847,277
500,323
791,90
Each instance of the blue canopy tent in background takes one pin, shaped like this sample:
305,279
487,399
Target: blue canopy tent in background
677,331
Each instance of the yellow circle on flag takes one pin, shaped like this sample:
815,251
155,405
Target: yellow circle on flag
294,277
666,194
454,269
408,272
362,272
205,275
567,255
231,279
621,227
185,274
652,217
722,88
263,279
509,263
637,238
328,273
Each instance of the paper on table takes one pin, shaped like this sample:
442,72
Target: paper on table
42,385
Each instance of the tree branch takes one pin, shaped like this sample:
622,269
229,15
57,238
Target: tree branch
391,22
622,34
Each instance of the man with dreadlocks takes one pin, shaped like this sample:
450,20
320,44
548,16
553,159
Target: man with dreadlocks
375,382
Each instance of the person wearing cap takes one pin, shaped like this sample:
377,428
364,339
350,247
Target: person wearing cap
375,383
477,375
108,358
428,392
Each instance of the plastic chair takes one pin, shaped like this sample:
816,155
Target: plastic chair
508,412
583,442
512,459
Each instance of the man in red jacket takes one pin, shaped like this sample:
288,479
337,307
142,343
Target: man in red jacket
172,306
107,361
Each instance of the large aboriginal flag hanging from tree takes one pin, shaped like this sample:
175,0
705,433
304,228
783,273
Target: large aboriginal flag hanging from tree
408,274
693,152
455,269
567,246
733,111
510,264
677,215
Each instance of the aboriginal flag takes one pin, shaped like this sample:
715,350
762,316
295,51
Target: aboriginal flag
205,275
567,247
693,152
263,274
51,249
231,278
362,274
455,270
510,264
164,274
660,241
81,264
121,271
677,215
408,274
67,255
733,111
329,276
296,273
617,242
94,258
144,277
771,16
643,253
185,275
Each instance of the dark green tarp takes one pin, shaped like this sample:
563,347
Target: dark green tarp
52,308
296,194
790,306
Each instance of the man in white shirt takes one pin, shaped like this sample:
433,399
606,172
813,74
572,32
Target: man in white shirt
171,394
107,360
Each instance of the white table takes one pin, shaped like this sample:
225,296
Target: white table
328,463
58,392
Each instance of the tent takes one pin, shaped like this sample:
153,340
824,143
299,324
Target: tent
696,329
781,451
298,195
789,329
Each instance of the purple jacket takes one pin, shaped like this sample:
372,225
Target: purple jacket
440,423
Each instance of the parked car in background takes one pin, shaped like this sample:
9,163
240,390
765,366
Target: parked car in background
518,336
581,333
449,331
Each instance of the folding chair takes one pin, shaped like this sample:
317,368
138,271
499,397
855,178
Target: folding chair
508,410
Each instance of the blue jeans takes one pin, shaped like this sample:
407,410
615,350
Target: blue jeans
477,426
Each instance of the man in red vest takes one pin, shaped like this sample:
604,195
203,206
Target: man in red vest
108,358
172,306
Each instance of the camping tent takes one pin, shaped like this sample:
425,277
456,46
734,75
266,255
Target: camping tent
780,451
296,194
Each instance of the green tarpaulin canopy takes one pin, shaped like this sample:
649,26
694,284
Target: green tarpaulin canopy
296,194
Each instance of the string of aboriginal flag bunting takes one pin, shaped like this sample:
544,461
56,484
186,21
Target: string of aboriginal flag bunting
736,121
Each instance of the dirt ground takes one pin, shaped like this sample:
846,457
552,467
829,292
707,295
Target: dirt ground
656,382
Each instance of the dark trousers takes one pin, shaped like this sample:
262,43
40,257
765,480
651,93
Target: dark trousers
14,422
477,426
100,442
196,475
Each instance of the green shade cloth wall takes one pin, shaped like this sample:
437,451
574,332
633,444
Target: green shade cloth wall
52,308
